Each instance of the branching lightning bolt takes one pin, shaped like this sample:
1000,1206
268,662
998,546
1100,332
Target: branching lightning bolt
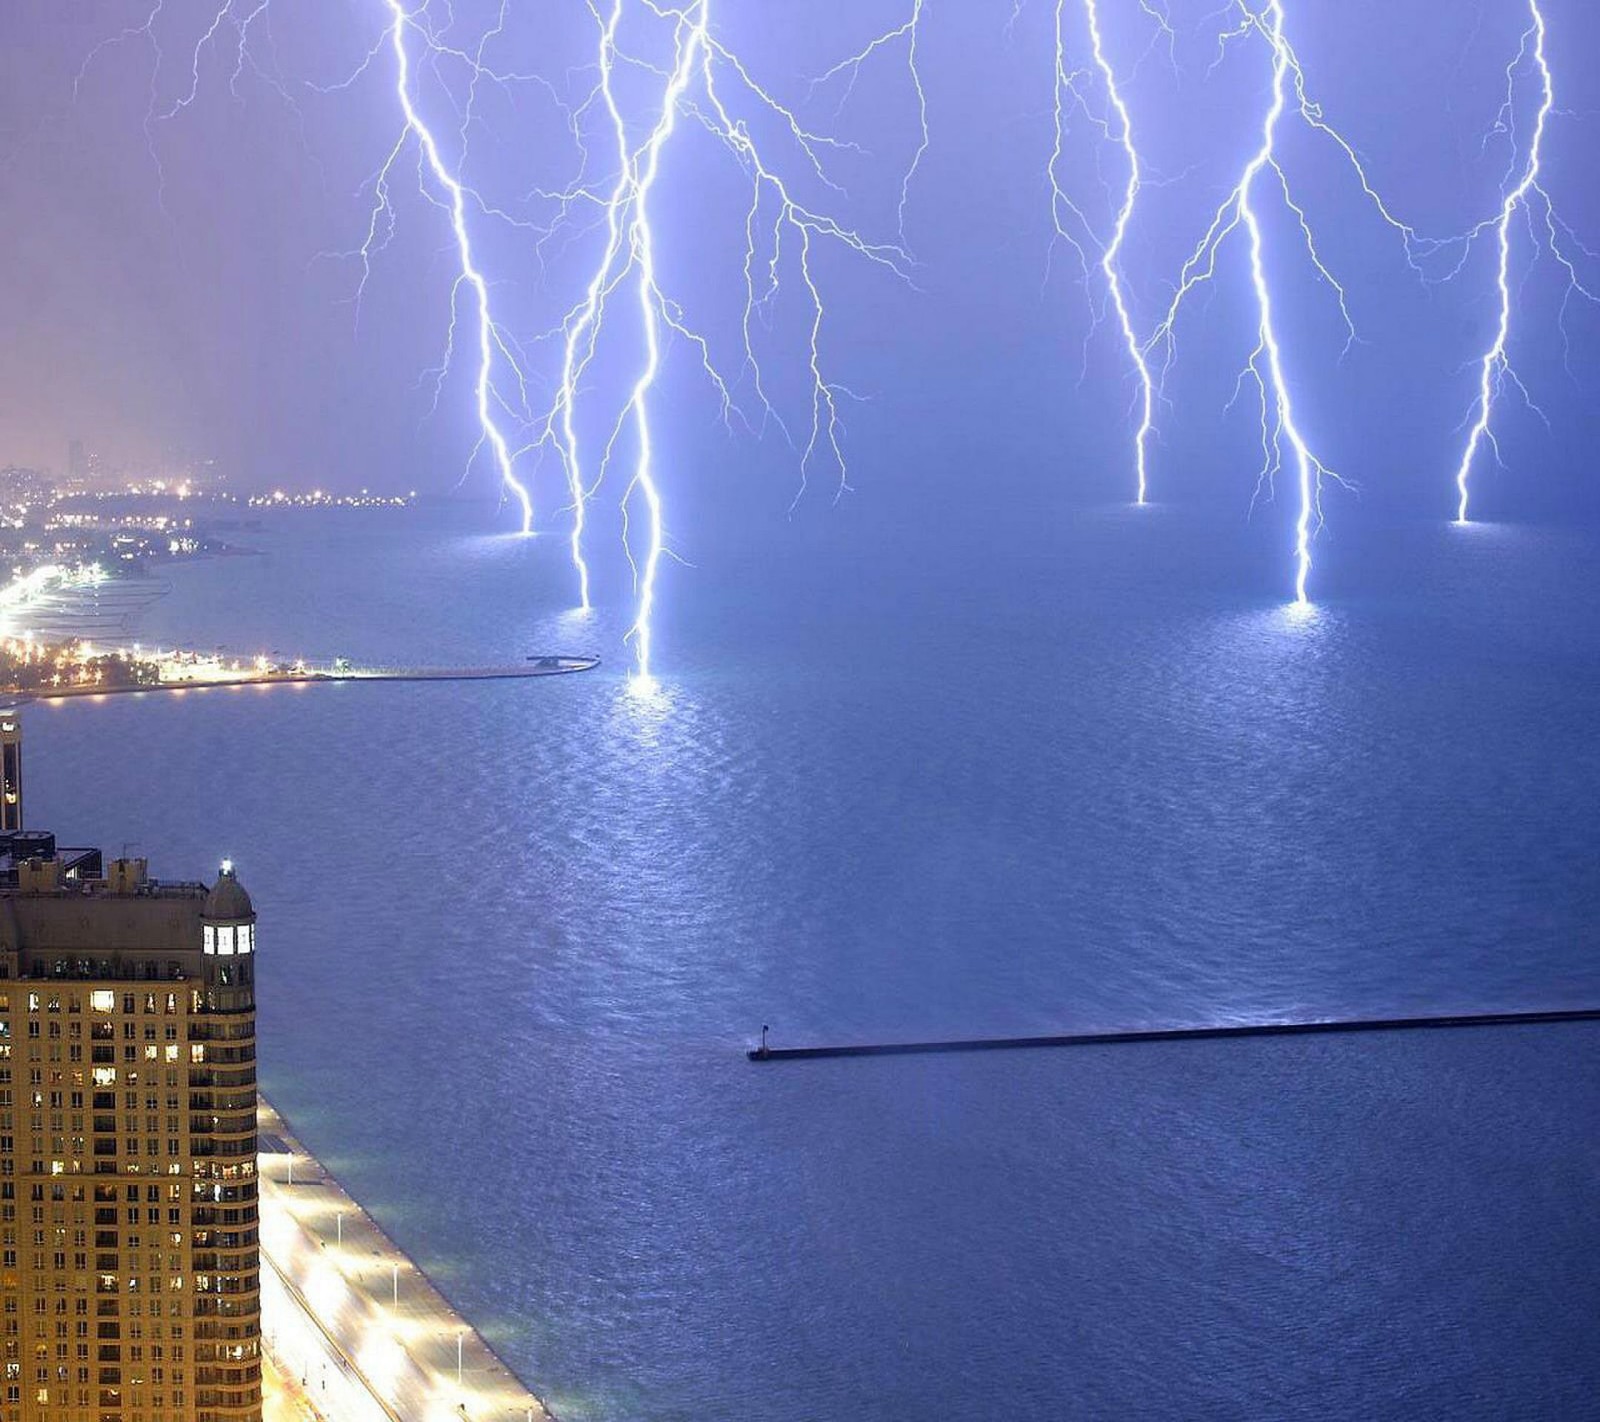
690,42
692,88
231,31
1265,367
1494,367
910,32
1309,470
1117,127
242,16
492,343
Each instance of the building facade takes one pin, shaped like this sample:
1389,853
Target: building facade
129,1288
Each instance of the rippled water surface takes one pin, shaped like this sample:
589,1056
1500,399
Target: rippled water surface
516,937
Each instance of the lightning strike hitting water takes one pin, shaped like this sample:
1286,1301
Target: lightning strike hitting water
690,42
1265,364
582,326
1265,367
1494,367
1309,470
693,89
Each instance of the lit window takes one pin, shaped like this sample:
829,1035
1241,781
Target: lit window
246,939
103,1001
211,940
225,942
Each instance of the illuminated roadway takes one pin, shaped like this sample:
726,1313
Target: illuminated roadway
351,1323
306,1355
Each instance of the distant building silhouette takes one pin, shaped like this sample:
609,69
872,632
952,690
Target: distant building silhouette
10,772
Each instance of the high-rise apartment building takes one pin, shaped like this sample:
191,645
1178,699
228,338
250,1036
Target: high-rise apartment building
129,1287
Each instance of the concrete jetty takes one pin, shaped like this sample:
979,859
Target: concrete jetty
355,1331
517,671
765,1053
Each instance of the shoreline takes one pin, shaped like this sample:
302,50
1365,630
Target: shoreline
565,666
394,1332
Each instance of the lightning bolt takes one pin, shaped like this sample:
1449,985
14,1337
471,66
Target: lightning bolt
629,249
909,31
242,21
1265,369
1494,366
690,42
411,39
775,219
147,31
1116,127
582,325
1109,257
492,343
242,16
1309,470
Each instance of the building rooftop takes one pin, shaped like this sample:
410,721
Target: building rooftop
60,901
20,848
33,863
227,902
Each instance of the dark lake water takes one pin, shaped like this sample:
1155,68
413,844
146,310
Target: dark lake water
515,938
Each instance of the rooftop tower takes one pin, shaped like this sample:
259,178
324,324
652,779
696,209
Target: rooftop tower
10,772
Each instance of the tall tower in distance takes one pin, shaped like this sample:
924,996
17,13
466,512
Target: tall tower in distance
10,772
129,1257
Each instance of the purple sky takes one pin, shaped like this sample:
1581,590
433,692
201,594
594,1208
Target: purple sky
176,284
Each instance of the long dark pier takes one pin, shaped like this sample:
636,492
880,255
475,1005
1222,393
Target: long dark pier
764,1053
